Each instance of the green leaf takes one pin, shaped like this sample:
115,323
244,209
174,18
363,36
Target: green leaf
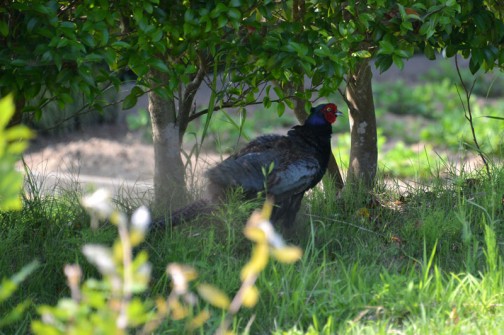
89,41
398,61
402,11
402,53
450,50
63,42
109,55
222,21
17,147
18,132
104,36
11,183
406,26
300,49
68,25
386,48
31,24
474,63
121,45
429,52
365,19
190,69
383,62
159,65
7,288
189,16
280,108
361,54
156,35
4,28
234,14
130,101
267,102
42,9
7,109
148,7
289,103
86,74
279,92
93,58
66,98
19,62
427,29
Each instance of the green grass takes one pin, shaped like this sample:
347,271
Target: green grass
425,260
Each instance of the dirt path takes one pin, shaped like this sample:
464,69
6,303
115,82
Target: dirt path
103,156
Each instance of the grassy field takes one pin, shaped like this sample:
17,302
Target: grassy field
423,260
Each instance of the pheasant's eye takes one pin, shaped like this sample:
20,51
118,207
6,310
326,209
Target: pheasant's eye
329,109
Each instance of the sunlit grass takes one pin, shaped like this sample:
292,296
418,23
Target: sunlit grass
414,260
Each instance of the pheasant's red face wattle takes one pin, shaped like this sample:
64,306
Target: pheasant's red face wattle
330,113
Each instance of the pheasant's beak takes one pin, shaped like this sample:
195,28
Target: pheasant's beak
338,113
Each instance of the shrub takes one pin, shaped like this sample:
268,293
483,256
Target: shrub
116,303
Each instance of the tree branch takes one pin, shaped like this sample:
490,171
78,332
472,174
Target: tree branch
186,100
229,104
468,114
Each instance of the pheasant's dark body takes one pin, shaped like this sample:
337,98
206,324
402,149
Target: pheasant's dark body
284,167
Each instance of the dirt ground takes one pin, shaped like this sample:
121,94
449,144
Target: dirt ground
101,156
104,151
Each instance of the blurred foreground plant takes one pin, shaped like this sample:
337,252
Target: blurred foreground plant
13,141
114,304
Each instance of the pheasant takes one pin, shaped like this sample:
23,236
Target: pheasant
283,167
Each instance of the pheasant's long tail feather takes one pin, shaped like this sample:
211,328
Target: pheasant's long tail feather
186,213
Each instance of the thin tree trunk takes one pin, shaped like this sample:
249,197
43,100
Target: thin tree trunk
334,171
363,151
170,189
17,118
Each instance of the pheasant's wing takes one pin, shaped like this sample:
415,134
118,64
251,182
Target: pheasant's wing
263,144
283,173
247,171
294,177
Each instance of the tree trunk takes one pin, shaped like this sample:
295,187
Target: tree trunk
170,189
363,151
334,171
17,118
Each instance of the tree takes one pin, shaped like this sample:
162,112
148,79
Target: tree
344,36
52,51
172,47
